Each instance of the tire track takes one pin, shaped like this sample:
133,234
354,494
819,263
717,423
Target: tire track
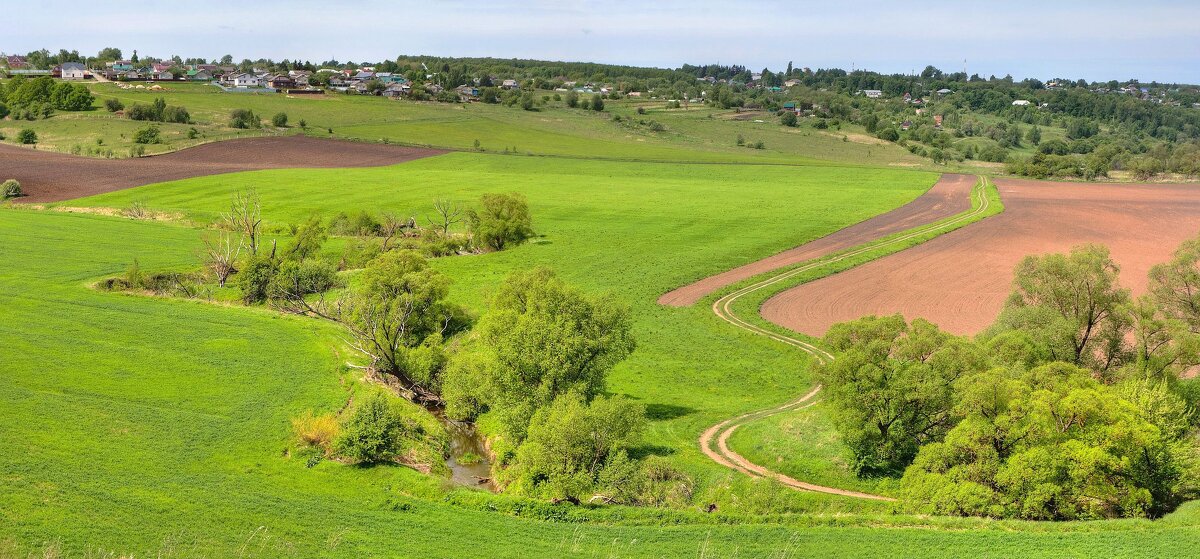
714,440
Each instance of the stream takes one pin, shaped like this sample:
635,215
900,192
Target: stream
465,441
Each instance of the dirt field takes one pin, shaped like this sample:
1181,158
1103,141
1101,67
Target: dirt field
960,280
951,195
53,177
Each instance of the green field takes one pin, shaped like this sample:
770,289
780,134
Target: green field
698,134
137,426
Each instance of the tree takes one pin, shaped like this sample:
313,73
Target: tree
892,386
527,100
1034,135
788,118
295,280
398,317
254,278
245,217
572,99
570,443
221,255
244,119
374,432
308,240
597,102
541,339
502,221
1175,285
1074,301
27,136
1050,444
448,213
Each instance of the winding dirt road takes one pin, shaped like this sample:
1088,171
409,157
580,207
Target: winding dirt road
53,177
950,195
714,440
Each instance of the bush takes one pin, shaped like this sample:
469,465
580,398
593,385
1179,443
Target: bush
178,115
10,189
280,120
597,102
374,432
503,221
147,135
114,105
788,118
254,278
316,430
244,119
27,137
141,112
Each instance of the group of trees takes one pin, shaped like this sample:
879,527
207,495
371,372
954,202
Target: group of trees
35,98
1071,406
158,111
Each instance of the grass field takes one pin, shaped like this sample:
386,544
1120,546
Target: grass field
697,134
151,426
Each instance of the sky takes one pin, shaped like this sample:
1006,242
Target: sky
1152,40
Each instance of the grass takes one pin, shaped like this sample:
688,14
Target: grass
699,134
135,425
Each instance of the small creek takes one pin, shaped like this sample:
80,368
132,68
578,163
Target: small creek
466,442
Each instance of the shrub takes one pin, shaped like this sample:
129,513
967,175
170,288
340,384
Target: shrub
27,136
139,111
788,118
316,430
597,102
147,135
279,120
114,105
503,221
374,432
641,110
137,151
245,119
254,278
178,115
192,133
10,189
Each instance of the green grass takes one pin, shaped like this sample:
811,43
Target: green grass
153,426
699,134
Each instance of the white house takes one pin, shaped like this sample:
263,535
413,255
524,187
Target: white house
73,71
872,93
1020,103
247,80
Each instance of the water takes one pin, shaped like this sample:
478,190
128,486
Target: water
464,440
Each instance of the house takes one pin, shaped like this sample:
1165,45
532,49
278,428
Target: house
337,81
1020,103
635,93
15,62
790,106
73,71
944,91
364,75
872,93
906,125
163,75
160,67
390,78
280,82
360,87
510,84
434,89
467,92
397,90
199,75
792,83
246,80
130,75
121,65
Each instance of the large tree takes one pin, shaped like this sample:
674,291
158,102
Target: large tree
891,387
501,222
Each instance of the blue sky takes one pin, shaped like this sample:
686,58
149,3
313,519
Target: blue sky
1100,39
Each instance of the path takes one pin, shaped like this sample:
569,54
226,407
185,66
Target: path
714,440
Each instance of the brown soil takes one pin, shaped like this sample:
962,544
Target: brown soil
951,195
53,177
961,279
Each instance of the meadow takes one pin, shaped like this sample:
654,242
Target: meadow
137,425
695,134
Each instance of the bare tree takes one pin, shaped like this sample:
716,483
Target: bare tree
221,255
391,226
245,217
448,212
